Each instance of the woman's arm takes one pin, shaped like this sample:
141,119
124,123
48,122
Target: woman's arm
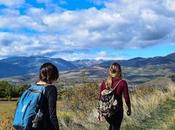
52,98
102,87
127,98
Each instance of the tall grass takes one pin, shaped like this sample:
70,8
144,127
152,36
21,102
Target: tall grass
144,102
77,108
6,113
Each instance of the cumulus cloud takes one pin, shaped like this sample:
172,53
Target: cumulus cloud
20,44
170,4
11,3
80,55
120,24
15,21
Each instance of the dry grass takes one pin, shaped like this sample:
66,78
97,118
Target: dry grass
145,101
6,114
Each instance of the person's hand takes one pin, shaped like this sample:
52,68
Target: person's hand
99,117
129,112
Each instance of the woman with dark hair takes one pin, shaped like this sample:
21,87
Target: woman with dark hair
48,75
36,108
115,79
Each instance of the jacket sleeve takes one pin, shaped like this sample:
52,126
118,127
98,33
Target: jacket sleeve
102,87
52,98
126,93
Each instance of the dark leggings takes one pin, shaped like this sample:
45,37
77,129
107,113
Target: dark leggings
115,120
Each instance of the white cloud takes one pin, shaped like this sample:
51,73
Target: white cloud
149,16
61,22
84,55
20,22
121,24
170,4
101,55
11,3
19,44
32,11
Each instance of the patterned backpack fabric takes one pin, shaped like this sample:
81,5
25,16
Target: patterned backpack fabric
28,111
107,102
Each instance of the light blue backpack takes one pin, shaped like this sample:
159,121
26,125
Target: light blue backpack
28,111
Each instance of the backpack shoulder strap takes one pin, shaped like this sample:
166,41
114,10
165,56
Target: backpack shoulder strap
117,84
39,89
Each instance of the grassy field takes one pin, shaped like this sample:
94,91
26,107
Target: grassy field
152,109
6,113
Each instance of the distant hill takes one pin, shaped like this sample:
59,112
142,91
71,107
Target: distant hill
86,63
136,68
15,66
141,62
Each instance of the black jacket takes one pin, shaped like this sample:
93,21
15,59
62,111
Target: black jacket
49,121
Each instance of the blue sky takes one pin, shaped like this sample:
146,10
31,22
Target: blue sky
87,29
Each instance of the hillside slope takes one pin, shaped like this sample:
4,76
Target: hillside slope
19,66
162,118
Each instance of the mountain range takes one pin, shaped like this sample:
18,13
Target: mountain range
18,66
141,62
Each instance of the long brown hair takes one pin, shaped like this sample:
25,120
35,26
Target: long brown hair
114,71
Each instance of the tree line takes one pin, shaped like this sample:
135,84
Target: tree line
9,91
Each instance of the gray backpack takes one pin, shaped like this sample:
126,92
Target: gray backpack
107,102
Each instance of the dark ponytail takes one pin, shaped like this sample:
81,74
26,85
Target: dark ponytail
48,73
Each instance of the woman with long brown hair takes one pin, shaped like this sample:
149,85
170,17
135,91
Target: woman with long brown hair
113,80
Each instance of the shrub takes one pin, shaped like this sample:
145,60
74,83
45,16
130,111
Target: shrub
8,90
